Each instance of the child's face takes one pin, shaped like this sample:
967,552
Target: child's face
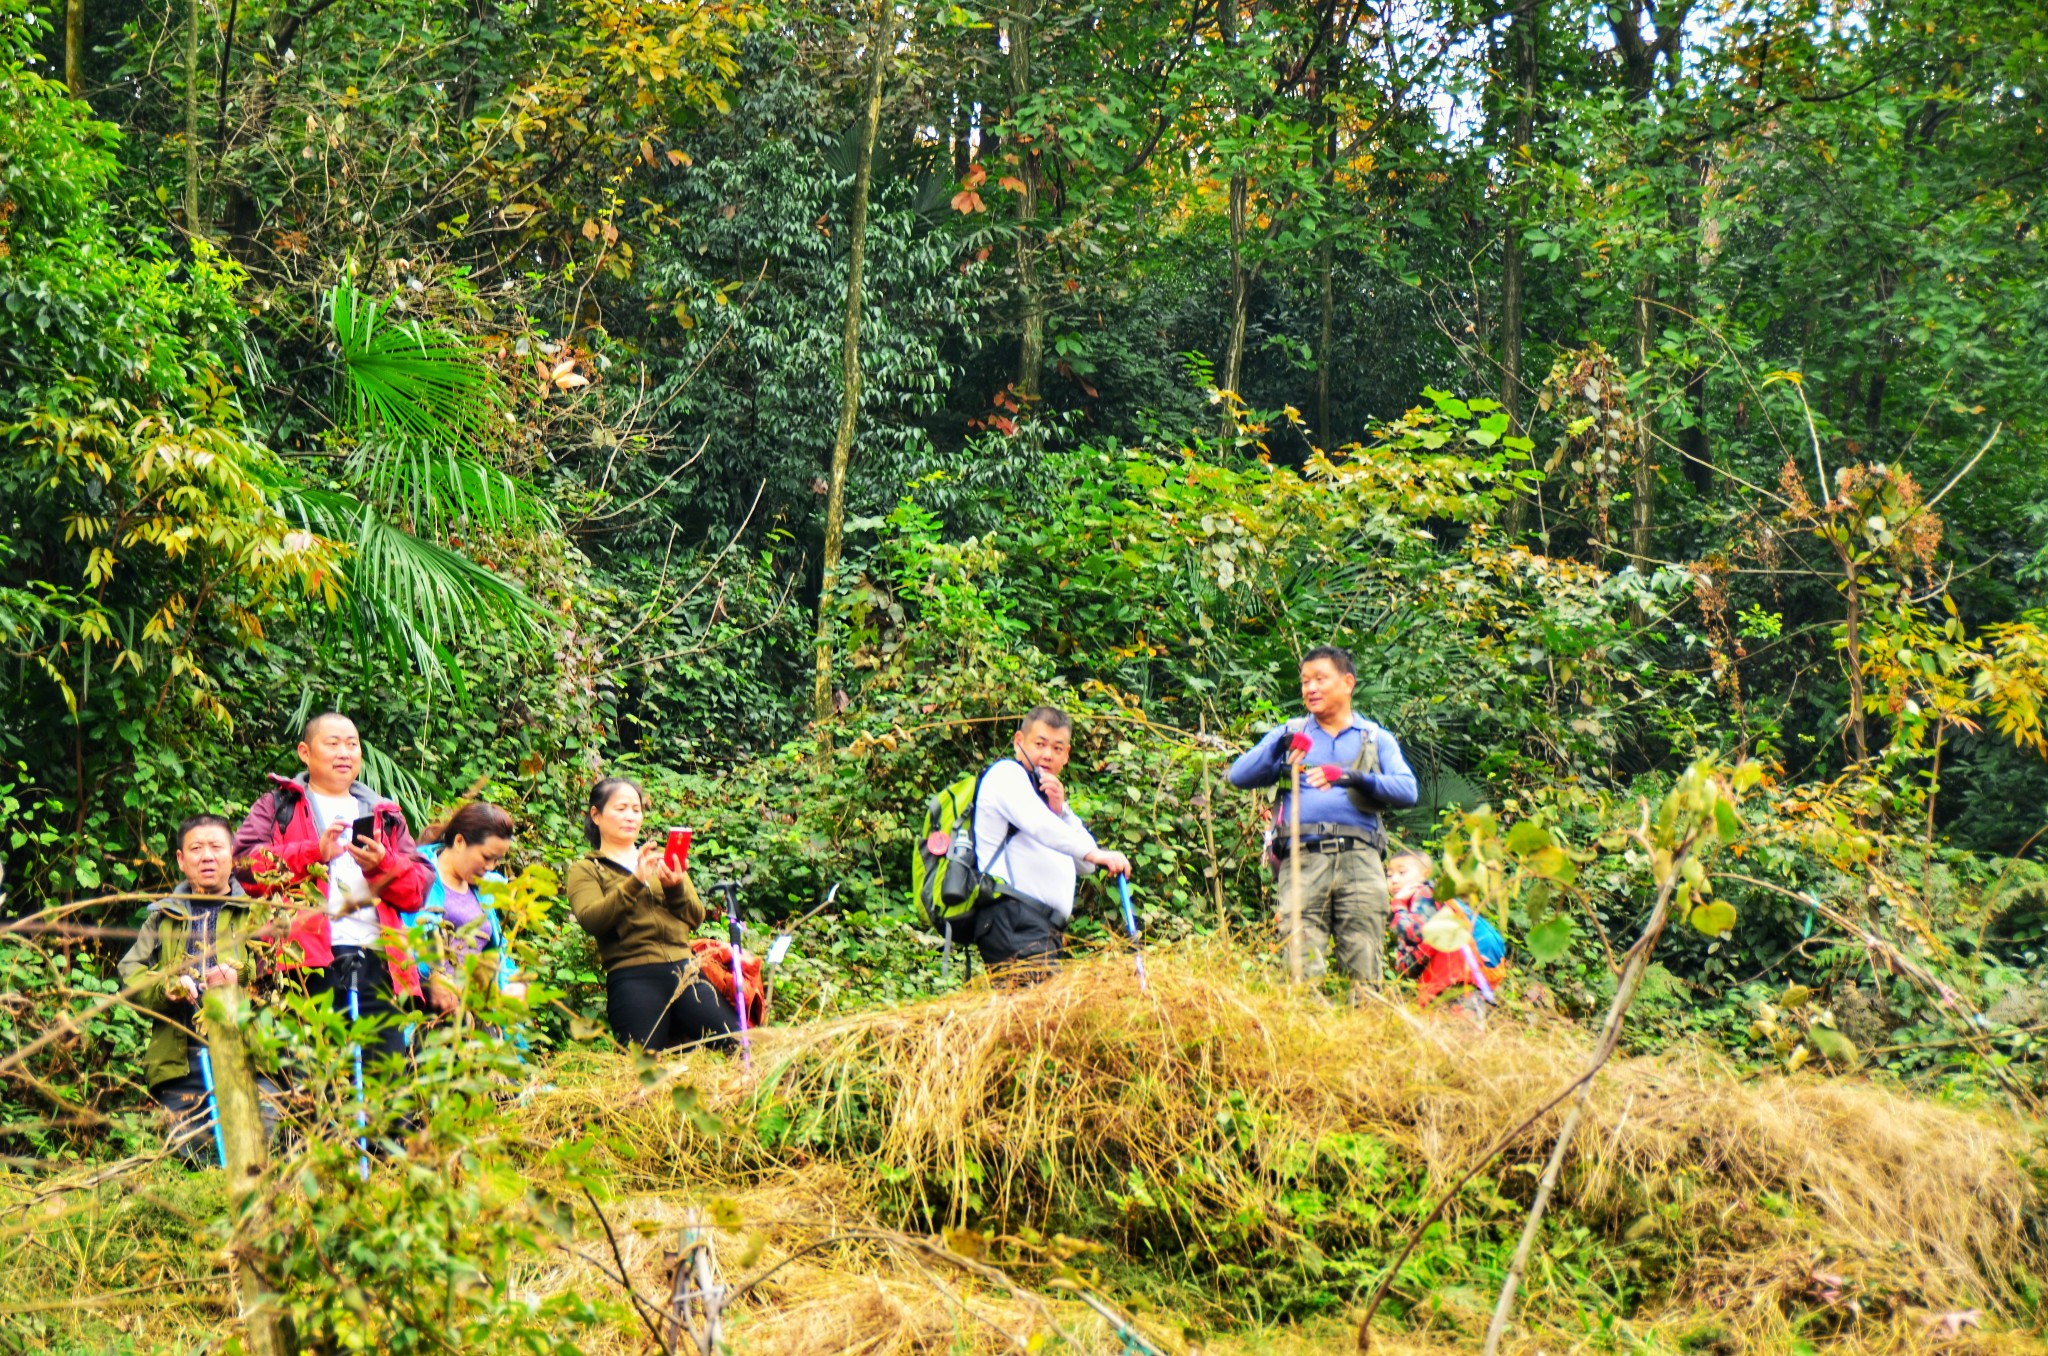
1405,875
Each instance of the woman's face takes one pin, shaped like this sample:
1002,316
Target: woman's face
619,820
470,862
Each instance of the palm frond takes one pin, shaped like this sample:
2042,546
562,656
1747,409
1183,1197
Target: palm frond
404,378
411,598
434,490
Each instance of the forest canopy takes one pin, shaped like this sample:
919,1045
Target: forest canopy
772,401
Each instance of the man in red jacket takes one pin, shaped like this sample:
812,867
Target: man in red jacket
301,838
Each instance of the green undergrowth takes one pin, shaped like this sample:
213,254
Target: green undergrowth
1234,1163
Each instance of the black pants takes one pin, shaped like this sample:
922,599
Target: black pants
191,1134
369,974
1020,939
650,1006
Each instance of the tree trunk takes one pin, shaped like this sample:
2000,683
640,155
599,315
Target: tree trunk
1326,266
1232,375
1232,372
238,1104
193,224
1326,250
880,41
1031,347
1610,1036
1512,323
74,47
1642,501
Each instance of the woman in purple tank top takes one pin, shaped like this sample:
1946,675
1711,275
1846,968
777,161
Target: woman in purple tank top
453,925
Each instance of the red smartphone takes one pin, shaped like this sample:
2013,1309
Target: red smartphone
677,853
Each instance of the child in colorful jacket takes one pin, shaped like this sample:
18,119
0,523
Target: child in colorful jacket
1446,946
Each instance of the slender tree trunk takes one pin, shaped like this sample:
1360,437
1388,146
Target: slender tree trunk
1852,650
1326,267
961,126
1610,1036
1642,503
1031,347
1326,251
1240,300
74,47
193,224
1232,373
881,40
1512,323
238,1104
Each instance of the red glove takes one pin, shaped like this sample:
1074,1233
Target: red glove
1333,774
1301,743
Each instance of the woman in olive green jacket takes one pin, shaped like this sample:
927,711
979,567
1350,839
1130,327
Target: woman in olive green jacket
643,913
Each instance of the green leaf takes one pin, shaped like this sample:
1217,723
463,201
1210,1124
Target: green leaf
1726,822
1548,940
1551,863
1833,1044
1716,919
1527,837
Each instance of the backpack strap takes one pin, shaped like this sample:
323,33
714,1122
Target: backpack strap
974,811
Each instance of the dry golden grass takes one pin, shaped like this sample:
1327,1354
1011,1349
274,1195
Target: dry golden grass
1042,1101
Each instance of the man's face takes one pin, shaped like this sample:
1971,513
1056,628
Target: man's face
1324,691
206,858
1045,747
332,754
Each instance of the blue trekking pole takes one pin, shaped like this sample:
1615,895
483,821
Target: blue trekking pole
1123,889
355,1047
220,1143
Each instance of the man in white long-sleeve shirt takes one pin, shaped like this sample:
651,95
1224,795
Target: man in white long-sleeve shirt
1026,836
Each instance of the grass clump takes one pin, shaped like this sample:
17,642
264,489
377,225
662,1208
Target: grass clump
1266,1154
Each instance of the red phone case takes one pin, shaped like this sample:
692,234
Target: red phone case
677,853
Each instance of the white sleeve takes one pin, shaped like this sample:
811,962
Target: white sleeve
1007,791
1081,864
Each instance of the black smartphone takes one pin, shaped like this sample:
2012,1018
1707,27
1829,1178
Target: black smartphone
366,827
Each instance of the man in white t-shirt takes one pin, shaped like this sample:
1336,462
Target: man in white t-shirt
373,872
1026,836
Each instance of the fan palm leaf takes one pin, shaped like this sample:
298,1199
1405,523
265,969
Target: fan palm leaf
405,379
434,490
410,597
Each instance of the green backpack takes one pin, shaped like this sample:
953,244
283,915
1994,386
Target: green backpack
946,881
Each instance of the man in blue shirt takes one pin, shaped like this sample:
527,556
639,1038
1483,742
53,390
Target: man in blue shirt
1352,770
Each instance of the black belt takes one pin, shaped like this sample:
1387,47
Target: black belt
1325,846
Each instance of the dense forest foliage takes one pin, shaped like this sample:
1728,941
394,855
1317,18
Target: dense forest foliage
772,400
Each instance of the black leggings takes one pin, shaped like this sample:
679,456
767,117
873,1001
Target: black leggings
650,1007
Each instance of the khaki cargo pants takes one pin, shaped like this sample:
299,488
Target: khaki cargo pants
1343,897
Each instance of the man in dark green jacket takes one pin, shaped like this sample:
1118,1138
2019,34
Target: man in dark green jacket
193,939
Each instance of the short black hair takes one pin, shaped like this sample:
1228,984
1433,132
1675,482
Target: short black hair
204,822
1339,659
1051,717
312,726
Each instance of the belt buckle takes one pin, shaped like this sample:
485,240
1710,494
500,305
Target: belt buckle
1329,847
